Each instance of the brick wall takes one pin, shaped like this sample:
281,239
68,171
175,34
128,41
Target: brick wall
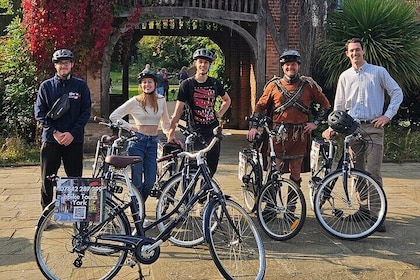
272,56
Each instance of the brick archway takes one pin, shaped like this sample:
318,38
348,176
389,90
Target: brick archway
252,34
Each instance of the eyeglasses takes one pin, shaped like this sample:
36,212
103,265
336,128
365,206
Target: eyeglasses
63,62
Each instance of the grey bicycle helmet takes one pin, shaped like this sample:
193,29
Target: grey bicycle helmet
63,54
203,53
146,74
290,56
342,122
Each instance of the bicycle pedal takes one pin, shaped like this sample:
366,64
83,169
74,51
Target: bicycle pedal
116,189
131,262
154,193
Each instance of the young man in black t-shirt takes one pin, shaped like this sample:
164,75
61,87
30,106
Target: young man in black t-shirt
200,93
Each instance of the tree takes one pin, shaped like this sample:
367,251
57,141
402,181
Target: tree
171,52
390,32
82,26
17,81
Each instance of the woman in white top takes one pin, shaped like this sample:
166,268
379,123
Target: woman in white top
147,109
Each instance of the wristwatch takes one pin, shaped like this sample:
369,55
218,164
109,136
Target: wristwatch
316,122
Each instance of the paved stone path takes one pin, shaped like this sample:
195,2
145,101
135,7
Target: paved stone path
312,254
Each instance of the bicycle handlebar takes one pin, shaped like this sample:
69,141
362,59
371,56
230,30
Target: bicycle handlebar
265,123
217,136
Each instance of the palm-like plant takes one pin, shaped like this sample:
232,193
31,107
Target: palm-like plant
390,32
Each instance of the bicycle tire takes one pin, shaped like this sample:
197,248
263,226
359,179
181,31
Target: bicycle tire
355,217
236,257
250,184
54,254
189,231
281,209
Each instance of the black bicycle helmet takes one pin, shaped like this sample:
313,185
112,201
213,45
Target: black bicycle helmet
342,122
63,54
147,74
290,56
203,53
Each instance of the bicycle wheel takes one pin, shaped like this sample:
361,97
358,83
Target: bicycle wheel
250,183
281,209
235,244
61,253
351,214
189,230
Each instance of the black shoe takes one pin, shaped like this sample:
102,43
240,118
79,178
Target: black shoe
50,226
381,228
269,213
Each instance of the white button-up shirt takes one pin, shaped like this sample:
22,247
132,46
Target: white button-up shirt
362,92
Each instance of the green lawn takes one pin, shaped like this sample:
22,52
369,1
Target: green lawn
133,88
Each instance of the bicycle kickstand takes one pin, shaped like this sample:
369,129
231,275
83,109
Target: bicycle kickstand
141,276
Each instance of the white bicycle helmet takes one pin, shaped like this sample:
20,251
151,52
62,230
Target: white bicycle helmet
203,53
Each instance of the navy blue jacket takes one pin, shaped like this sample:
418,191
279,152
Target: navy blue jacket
75,119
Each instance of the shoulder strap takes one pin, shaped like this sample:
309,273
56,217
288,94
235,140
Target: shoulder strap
274,79
291,98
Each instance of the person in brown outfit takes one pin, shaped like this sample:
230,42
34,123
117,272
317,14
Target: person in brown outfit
287,100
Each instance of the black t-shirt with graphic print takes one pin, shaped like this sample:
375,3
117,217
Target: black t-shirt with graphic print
201,98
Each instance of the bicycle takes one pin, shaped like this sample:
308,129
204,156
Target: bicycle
98,250
168,162
348,202
189,232
171,164
279,202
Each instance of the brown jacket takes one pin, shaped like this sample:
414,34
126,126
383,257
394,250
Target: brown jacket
272,98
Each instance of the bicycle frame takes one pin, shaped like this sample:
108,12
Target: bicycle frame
345,163
187,201
273,174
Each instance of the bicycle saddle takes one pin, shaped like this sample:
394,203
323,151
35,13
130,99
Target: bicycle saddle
122,161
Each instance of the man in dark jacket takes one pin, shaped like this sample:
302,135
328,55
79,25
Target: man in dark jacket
63,137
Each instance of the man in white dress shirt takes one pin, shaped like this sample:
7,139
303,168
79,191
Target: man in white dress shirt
361,93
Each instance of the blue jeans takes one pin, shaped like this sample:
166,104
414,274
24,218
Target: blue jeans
143,174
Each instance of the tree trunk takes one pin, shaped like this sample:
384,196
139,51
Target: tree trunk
313,17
